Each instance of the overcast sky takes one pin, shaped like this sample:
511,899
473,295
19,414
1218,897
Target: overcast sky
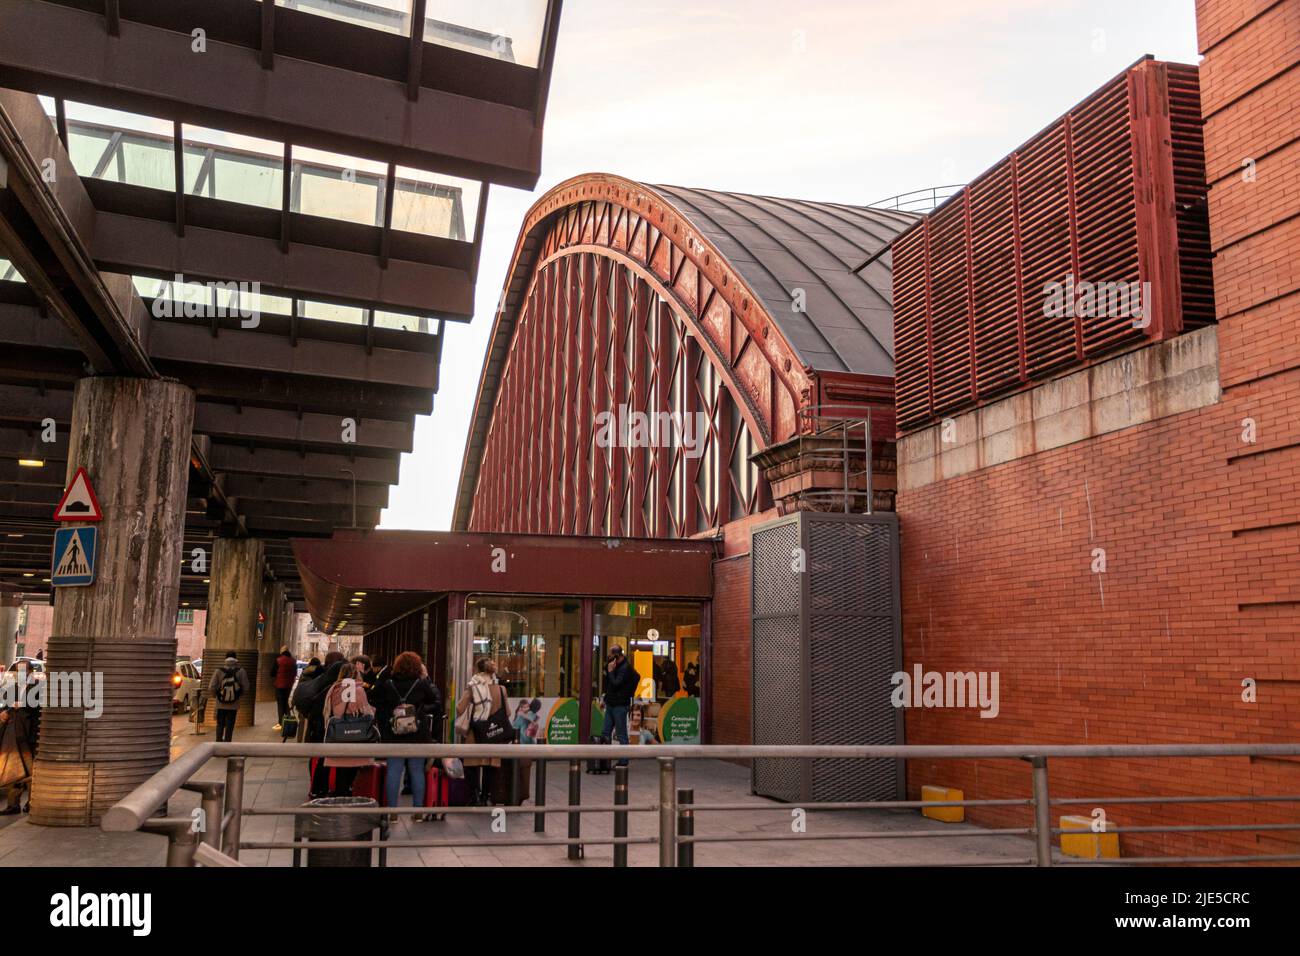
843,100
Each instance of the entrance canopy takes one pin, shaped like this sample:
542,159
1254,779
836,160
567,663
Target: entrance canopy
363,580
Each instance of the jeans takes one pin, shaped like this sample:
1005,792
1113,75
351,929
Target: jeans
414,766
281,704
226,725
615,722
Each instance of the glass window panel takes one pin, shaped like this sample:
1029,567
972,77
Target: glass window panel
390,16
328,312
8,273
264,304
405,323
236,168
434,204
338,187
122,147
147,287
508,30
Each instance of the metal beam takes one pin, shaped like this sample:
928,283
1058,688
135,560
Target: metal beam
61,51
288,464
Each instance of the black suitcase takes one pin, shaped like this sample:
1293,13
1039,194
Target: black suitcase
599,766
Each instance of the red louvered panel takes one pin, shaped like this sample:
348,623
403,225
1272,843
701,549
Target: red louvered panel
911,342
1045,249
1105,204
949,308
1106,222
993,270
1187,136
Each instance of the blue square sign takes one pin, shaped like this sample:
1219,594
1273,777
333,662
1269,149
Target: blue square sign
74,557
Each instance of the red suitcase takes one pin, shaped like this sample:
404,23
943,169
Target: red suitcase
369,781
441,790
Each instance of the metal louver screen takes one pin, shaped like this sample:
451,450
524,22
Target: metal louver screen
1112,193
825,644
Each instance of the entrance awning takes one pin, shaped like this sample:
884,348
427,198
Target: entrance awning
371,578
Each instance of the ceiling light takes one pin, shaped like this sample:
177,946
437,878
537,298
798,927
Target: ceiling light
28,574
31,463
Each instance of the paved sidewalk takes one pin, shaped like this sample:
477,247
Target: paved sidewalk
283,782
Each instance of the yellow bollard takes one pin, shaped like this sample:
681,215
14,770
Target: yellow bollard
943,814
1086,844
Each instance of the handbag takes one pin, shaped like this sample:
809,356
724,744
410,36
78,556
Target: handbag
355,728
496,727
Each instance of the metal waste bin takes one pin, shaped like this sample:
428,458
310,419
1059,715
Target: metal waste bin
337,826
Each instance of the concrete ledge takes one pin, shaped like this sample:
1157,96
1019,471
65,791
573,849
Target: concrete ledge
1141,386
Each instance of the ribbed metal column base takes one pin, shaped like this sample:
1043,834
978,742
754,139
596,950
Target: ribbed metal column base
86,764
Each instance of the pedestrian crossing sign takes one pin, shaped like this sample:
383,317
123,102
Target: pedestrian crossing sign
74,557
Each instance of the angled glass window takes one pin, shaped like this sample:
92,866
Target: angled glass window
435,205
121,147
8,273
406,323
338,187
390,16
236,168
509,30
329,312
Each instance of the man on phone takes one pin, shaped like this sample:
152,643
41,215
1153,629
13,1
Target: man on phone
621,682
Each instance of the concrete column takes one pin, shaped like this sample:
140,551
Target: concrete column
272,636
10,605
133,438
234,599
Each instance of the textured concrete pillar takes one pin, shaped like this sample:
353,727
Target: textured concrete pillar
133,438
234,600
10,605
272,637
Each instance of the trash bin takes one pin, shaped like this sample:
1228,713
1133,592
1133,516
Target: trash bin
337,826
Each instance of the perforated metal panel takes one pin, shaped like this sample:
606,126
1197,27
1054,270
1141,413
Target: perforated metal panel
826,641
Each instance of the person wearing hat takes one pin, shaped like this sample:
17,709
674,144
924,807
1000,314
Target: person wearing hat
621,682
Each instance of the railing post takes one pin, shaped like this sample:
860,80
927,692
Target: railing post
667,812
575,818
620,816
182,839
234,806
210,799
685,827
539,797
1042,812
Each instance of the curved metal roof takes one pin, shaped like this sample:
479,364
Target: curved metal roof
781,245
775,245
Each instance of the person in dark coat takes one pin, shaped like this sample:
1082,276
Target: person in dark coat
408,708
228,709
284,670
621,682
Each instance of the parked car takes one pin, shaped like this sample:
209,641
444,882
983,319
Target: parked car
186,686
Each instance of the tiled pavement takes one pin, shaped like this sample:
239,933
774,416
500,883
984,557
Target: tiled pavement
281,782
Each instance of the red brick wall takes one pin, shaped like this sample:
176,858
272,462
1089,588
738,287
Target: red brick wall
1201,530
731,655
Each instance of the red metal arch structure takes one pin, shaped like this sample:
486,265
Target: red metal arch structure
719,317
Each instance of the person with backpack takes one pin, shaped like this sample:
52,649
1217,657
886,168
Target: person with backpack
284,671
228,686
621,683
309,696
410,709
346,705
482,717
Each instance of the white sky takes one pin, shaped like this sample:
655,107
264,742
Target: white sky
843,100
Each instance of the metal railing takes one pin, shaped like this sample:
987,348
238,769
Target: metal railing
676,809
919,200
831,444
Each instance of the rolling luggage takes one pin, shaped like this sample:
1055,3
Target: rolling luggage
443,790
370,782
602,765
288,727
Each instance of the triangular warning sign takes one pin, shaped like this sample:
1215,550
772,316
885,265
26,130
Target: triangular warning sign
79,502
74,562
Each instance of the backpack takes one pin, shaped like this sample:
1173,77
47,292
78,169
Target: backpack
229,690
406,717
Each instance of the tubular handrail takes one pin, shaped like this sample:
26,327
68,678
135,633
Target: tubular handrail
676,808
